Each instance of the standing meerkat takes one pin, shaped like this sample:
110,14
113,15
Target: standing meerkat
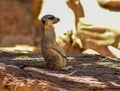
53,53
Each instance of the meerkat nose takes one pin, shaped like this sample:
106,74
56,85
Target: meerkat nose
58,19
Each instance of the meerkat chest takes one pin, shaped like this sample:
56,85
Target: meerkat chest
50,35
49,38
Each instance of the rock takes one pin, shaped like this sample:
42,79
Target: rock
91,72
15,20
110,4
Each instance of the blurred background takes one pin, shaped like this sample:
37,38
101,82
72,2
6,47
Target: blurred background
86,26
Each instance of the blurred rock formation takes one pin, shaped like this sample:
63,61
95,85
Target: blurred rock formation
77,9
15,20
110,4
19,22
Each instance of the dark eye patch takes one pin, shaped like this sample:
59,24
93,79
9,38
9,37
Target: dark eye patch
51,18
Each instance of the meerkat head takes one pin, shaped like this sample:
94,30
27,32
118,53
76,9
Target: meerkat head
49,19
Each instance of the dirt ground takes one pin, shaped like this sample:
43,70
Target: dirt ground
90,73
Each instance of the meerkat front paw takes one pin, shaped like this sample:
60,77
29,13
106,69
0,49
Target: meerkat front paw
67,68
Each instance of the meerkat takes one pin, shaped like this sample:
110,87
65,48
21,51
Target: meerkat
52,52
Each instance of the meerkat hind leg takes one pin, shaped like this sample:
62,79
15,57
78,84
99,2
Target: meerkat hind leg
60,62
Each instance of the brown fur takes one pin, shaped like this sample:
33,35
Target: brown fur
52,52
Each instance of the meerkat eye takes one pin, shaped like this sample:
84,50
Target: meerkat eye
51,18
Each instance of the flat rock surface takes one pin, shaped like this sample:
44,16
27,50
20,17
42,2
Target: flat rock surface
90,73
